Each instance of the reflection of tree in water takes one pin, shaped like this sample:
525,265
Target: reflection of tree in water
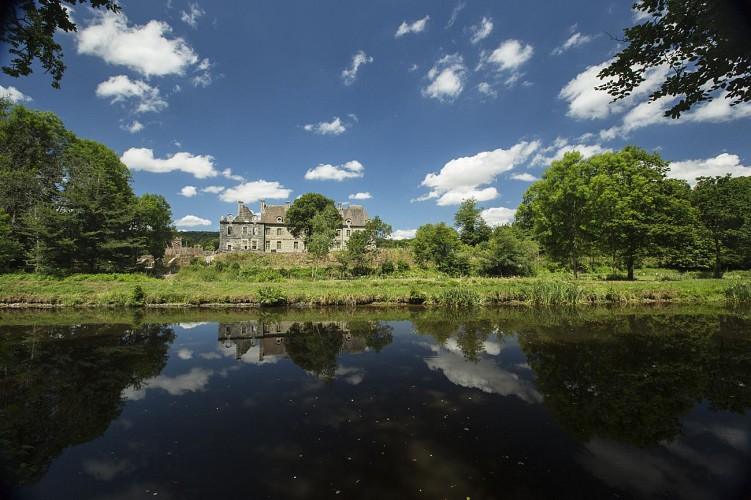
315,346
470,332
61,386
632,378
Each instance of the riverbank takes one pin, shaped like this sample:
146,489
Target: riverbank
119,290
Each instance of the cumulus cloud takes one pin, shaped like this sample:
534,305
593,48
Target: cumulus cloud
191,16
326,172
545,156
349,75
256,190
13,94
403,234
120,88
145,49
414,27
526,177
462,178
334,127
447,78
188,191
360,196
498,216
510,55
212,189
487,89
133,127
721,165
227,174
482,30
201,166
191,221
574,41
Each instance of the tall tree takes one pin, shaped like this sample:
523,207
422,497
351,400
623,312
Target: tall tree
724,205
472,227
705,43
300,215
439,244
509,252
558,210
28,28
323,226
153,222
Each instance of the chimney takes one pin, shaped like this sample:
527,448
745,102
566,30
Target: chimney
240,206
263,206
286,204
340,206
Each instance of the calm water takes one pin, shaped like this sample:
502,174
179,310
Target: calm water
389,404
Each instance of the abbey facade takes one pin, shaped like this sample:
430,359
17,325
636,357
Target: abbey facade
267,231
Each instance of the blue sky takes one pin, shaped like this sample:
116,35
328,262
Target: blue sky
405,107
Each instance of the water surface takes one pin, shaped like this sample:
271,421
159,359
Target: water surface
593,403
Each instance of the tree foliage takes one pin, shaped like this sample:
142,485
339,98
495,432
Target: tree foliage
300,215
705,44
28,28
509,252
472,227
439,244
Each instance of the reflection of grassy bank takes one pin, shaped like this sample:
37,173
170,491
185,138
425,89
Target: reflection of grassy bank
119,290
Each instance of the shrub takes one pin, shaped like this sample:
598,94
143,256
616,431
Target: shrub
387,267
137,297
269,297
738,293
416,297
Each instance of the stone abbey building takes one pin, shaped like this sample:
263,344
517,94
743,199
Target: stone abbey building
267,231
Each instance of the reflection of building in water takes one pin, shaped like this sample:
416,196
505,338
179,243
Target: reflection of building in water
267,338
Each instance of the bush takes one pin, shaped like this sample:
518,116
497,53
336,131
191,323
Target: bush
137,297
270,297
387,267
416,297
402,266
738,293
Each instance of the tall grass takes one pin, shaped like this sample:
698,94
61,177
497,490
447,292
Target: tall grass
549,293
738,293
457,298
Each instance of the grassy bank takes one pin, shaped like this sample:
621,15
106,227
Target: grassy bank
140,290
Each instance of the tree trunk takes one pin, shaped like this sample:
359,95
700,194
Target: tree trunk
717,259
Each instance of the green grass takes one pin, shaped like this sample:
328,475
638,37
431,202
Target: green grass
134,290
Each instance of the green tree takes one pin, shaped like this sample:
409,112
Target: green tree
28,29
359,252
153,222
379,231
300,215
323,226
704,42
473,229
558,210
10,249
508,253
724,205
439,244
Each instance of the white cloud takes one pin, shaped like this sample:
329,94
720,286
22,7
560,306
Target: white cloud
721,165
462,178
13,94
718,110
201,166
415,27
202,76
349,170
526,177
482,30
350,75
498,216
133,127
192,221
560,147
121,88
587,103
486,89
144,49
360,196
188,191
510,55
455,13
334,127
250,192
403,234
227,174
191,18
446,78
575,40
212,189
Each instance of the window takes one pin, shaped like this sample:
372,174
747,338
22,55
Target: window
338,232
279,219
229,229
348,221
229,247
279,231
278,245
296,246
245,229
245,247
268,243
255,229
254,245
348,233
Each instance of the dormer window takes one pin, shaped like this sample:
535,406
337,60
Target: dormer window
348,221
279,219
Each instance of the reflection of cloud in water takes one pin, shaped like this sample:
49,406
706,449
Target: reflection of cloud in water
485,375
188,326
193,381
671,467
490,347
210,355
107,470
185,354
350,375
253,357
737,438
